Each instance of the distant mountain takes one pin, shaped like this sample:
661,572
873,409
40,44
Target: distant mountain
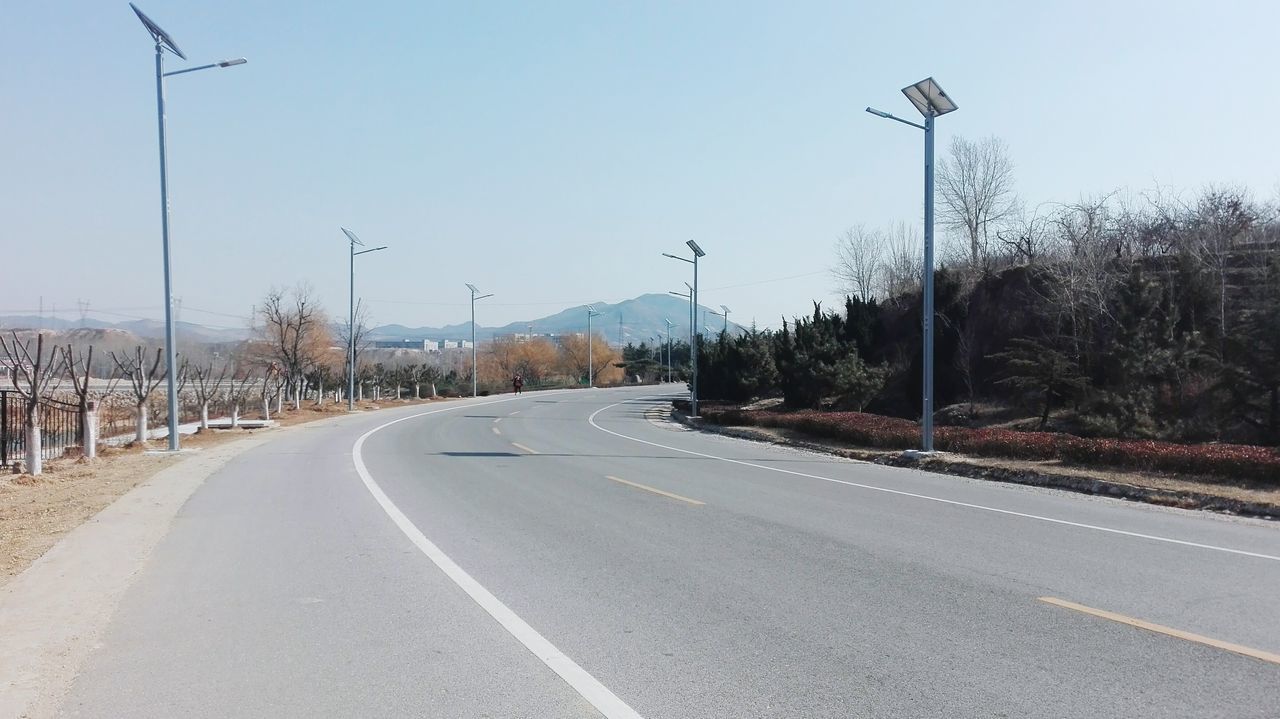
146,329
641,318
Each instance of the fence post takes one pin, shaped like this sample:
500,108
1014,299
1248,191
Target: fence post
4,428
89,428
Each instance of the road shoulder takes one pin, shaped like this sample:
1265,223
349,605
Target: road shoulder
52,614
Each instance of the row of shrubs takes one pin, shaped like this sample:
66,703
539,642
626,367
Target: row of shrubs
1223,461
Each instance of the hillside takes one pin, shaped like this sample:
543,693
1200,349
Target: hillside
641,318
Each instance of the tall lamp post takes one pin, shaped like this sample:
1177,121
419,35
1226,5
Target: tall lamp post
664,319
693,301
475,295
932,102
353,242
164,42
591,368
688,296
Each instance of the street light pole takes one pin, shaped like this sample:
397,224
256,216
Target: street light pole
352,241
668,349
931,101
474,374
170,349
693,317
164,42
591,368
926,419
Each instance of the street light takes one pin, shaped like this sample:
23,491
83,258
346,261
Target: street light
726,319
693,304
669,324
164,42
475,295
931,101
351,315
591,369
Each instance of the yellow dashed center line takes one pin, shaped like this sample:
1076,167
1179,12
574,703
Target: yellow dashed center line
1168,631
655,491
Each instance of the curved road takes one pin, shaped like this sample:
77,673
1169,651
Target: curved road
572,554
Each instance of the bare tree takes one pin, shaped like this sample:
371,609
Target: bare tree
142,382
77,366
903,264
208,387
31,375
237,390
976,184
296,331
361,333
1026,237
859,260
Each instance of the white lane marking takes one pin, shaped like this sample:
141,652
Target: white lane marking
575,676
499,419
1009,512
519,446
514,413
496,430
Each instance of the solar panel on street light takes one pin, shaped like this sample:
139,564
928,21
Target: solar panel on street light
929,98
158,33
696,250
351,236
229,63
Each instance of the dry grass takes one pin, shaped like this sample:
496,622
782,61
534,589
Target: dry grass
35,512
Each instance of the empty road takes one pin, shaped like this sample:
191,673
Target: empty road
573,554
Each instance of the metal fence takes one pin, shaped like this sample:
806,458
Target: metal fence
60,424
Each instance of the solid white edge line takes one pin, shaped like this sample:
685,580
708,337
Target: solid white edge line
592,420
575,676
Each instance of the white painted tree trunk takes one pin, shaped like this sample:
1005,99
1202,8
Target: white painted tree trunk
397,391
204,416
377,392
417,390
433,390
360,393
141,430
266,408
90,420
297,395
279,402
235,415
320,392
35,463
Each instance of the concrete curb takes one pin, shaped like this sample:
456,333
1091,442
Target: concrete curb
944,465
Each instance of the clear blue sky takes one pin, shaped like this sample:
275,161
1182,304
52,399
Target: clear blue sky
548,152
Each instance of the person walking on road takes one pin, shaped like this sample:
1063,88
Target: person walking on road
517,384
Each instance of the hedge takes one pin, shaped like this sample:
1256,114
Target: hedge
1226,461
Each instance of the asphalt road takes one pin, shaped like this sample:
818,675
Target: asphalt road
510,557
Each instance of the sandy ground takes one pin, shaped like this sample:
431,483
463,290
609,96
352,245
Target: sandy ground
35,512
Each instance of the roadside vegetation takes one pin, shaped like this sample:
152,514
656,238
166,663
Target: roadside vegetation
1134,331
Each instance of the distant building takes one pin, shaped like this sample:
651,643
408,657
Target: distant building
521,337
416,345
